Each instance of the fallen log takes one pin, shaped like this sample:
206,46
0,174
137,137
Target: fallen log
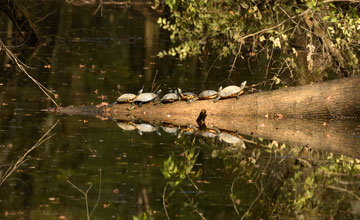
333,99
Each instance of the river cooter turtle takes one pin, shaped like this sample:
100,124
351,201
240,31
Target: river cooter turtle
208,94
146,97
170,97
187,96
125,98
230,91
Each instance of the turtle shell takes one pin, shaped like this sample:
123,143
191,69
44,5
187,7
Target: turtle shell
145,97
170,97
229,91
126,98
207,94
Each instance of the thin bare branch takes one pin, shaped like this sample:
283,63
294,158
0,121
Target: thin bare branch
98,199
22,159
85,194
22,66
276,26
164,201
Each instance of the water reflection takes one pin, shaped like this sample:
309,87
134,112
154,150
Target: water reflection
278,175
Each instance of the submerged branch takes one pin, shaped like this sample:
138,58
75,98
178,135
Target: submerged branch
22,159
22,66
85,196
164,201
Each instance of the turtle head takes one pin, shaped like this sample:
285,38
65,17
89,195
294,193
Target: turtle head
180,91
243,84
220,88
158,92
141,91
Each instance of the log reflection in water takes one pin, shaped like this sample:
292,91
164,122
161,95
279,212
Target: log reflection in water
338,136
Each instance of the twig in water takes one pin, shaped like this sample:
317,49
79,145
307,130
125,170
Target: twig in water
213,63
22,66
153,84
101,7
21,160
232,198
98,199
252,204
85,196
194,206
163,198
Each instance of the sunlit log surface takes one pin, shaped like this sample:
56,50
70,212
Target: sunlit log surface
321,115
332,99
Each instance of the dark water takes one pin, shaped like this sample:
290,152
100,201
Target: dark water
94,59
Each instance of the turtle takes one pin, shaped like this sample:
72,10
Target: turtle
188,96
207,94
170,97
125,98
230,91
146,97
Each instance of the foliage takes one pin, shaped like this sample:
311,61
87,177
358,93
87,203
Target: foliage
293,182
178,170
322,33
142,216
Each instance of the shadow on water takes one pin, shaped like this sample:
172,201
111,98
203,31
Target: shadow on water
242,170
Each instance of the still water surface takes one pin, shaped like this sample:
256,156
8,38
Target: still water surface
87,59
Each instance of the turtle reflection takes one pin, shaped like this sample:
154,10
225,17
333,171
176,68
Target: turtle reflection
126,126
227,137
146,128
170,128
230,138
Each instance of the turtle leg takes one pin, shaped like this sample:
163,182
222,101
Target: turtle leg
216,99
241,92
140,104
191,100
